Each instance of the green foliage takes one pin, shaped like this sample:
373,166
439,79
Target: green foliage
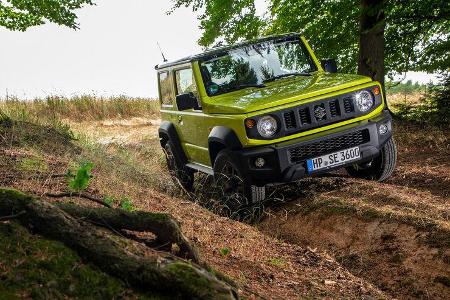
126,204
405,87
20,14
435,106
227,19
80,181
109,200
225,251
416,32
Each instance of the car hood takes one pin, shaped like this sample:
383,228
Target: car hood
282,92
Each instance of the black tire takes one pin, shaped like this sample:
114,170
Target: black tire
180,174
236,191
381,167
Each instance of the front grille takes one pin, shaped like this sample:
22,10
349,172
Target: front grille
348,140
318,113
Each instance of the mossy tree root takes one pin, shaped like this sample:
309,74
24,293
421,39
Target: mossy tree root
166,274
164,226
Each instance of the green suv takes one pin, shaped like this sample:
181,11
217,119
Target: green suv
267,111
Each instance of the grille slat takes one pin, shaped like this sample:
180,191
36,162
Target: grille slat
348,105
305,117
348,140
334,109
289,120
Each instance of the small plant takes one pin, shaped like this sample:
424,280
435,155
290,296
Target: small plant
109,200
126,204
225,251
80,181
277,262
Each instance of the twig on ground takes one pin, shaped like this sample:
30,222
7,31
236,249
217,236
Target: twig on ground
80,195
7,218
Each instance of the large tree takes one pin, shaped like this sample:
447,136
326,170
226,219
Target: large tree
373,37
22,14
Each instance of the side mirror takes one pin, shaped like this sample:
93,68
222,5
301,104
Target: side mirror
187,101
329,65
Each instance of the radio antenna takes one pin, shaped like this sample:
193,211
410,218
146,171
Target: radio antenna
162,54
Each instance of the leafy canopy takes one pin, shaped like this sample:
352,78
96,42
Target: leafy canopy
22,14
416,32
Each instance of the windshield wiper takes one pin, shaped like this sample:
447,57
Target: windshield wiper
246,85
287,75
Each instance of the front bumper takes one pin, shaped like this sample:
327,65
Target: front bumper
286,162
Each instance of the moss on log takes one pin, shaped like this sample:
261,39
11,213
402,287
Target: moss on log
164,226
166,274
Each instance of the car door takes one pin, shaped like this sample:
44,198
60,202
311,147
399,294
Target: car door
191,123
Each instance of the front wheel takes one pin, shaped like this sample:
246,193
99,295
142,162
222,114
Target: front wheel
381,167
235,189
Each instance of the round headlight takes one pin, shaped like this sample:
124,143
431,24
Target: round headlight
267,126
364,101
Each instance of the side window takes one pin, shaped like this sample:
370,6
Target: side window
165,88
185,82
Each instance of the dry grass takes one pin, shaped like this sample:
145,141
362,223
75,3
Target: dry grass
79,108
413,99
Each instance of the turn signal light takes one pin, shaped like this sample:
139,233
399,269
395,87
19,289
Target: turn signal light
376,91
250,123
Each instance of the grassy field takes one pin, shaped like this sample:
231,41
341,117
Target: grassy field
78,108
329,237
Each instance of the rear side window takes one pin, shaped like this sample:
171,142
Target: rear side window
185,82
165,88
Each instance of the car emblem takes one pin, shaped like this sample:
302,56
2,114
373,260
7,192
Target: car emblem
319,112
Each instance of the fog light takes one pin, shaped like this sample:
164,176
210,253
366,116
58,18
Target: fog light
383,129
260,162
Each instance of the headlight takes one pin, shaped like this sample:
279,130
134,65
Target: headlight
364,100
267,126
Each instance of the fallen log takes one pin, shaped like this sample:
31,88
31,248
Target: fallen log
166,228
166,274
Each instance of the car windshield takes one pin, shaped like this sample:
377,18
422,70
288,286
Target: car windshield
255,64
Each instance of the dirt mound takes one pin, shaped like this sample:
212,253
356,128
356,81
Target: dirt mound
395,237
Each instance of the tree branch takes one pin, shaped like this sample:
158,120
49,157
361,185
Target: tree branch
15,216
79,195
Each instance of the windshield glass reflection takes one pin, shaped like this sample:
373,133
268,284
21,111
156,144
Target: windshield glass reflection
256,64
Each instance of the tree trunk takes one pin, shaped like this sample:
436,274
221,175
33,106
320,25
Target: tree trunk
371,39
163,273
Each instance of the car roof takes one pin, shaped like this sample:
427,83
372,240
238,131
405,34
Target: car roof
216,50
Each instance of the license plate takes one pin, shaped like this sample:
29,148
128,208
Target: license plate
333,159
